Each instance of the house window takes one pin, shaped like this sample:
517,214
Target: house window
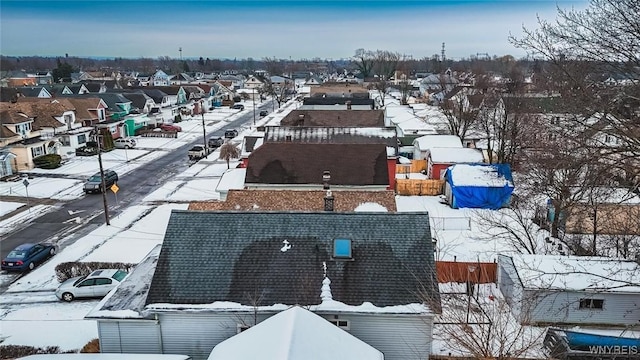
37,151
342,248
82,138
241,327
342,324
64,140
591,304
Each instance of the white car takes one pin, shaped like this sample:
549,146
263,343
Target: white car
124,143
96,284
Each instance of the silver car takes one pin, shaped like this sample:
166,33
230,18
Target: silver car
97,284
124,143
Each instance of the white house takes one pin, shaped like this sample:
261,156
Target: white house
422,144
571,290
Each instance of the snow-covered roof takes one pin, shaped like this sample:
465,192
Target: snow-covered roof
294,334
232,179
478,175
438,141
455,155
371,207
578,273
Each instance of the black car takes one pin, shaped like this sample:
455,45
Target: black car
215,142
230,134
237,106
263,112
94,184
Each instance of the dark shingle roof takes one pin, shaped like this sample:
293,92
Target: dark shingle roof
237,257
138,100
8,94
318,100
334,118
155,94
304,163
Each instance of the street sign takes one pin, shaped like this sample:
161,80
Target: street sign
25,183
114,188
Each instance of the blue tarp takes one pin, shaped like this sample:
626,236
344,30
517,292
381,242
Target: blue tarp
493,194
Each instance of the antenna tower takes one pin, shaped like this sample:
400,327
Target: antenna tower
442,56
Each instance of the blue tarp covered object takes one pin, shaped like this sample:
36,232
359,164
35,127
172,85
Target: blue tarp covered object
479,186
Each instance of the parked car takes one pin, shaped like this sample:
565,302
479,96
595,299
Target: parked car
27,256
96,284
170,127
237,106
197,152
230,134
264,112
124,143
215,142
94,184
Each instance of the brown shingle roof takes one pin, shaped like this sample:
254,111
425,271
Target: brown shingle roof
292,200
83,105
334,118
43,112
10,116
304,163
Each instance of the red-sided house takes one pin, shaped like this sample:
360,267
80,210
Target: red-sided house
439,159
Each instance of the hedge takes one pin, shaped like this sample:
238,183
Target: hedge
67,270
16,351
49,161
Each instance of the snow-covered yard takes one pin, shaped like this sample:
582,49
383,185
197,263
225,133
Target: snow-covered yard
138,229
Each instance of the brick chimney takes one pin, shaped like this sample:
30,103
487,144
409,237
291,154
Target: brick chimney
328,197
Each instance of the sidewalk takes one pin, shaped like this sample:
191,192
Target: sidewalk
23,199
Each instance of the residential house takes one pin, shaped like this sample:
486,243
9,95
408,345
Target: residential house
302,165
159,97
43,78
336,103
95,87
478,186
301,200
118,106
144,79
439,159
90,110
313,81
180,79
160,78
379,268
191,93
19,79
237,82
296,332
423,144
7,159
335,118
340,90
9,94
140,101
35,92
570,290
32,129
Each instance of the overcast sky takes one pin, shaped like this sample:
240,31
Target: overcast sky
282,29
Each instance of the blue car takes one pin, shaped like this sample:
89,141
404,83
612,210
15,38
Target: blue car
27,256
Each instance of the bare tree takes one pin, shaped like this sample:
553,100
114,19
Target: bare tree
481,325
587,47
273,66
229,151
364,60
460,115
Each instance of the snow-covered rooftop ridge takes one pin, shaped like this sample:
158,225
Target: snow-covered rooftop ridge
455,155
332,306
478,175
438,141
370,207
609,195
578,273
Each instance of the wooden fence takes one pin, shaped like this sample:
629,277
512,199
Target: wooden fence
429,187
162,134
416,166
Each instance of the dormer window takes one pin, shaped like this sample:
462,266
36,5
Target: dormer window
342,249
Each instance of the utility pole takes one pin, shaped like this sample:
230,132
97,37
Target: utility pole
204,130
104,185
180,50
253,96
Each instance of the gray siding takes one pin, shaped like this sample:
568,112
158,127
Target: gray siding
563,307
398,337
197,334
510,285
134,337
